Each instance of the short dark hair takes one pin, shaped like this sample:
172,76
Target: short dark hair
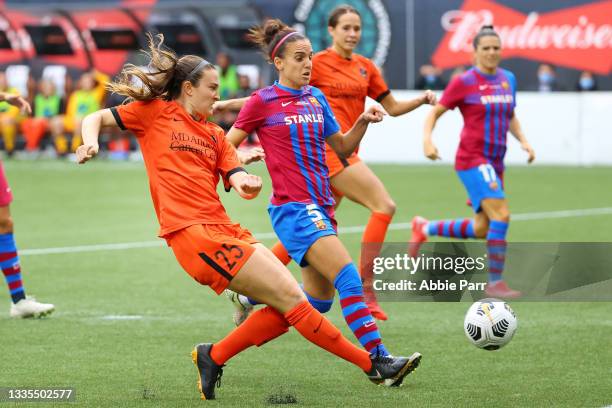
485,31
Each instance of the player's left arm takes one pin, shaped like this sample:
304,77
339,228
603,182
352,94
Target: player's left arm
517,132
397,108
345,144
246,185
17,101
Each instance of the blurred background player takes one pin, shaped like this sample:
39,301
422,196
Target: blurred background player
486,97
430,77
48,110
586,82
346,79
10,116
293,121
87,99
185,156
22,305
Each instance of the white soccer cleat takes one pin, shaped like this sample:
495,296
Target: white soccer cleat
243,307
29,307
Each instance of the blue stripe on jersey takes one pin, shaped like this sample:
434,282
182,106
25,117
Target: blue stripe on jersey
504,130
487,135
496,136
295,141
309,144
319,147
324,170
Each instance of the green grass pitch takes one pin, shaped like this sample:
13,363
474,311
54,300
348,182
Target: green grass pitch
560,356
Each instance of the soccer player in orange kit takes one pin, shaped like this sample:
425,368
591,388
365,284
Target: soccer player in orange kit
185,156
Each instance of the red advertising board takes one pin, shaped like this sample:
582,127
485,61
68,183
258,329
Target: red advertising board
578,37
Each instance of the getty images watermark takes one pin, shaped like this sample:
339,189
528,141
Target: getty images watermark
459,271
422,263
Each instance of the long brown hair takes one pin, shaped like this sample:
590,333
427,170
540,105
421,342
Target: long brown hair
165,75
269,35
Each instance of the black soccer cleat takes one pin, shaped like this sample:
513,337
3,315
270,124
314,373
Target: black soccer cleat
390,371
209,372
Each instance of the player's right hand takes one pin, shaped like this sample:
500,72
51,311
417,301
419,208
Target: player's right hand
253,155
431,151
86,152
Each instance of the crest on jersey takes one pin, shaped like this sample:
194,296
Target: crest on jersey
363,72
314,101
311,20
505,85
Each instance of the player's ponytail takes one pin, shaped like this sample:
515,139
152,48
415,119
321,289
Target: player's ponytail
272,38
164,75
485,31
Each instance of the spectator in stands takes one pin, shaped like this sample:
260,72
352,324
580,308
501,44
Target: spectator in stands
88,98
48,110
586,82
10,117
547,79
430,78
457,71
228,76
244,87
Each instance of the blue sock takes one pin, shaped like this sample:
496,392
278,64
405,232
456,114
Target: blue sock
496,249
461,228
321,305
355,311
9,263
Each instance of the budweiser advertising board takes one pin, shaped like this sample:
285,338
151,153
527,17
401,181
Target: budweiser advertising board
579,37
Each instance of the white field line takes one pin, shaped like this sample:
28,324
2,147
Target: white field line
343,230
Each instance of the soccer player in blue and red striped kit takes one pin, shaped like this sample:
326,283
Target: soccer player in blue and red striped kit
293,122
486,97
21,305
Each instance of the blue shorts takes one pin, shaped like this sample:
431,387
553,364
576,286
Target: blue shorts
299,225
481,182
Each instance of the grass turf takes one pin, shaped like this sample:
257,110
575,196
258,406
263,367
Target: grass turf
559,356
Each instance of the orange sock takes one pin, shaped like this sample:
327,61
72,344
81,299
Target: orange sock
318,330
371,243
281,253
262,326
267,324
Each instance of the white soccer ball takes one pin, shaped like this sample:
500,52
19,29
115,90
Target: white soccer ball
490,324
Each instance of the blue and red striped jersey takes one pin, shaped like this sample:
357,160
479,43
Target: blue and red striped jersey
292,126
487,104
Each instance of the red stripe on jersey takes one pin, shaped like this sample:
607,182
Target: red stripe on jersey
440,228
451,227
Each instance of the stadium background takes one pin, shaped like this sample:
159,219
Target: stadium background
127,315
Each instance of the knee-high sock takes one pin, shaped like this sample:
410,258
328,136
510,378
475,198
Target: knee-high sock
355,311
496,248
267,324
371,243
461,228
9,262
281,253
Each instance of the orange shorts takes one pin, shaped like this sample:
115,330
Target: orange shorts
336,164
212,254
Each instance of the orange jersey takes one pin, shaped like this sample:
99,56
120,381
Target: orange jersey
346,83
184,161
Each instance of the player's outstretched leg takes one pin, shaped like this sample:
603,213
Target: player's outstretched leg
22,305
422,229
288,307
